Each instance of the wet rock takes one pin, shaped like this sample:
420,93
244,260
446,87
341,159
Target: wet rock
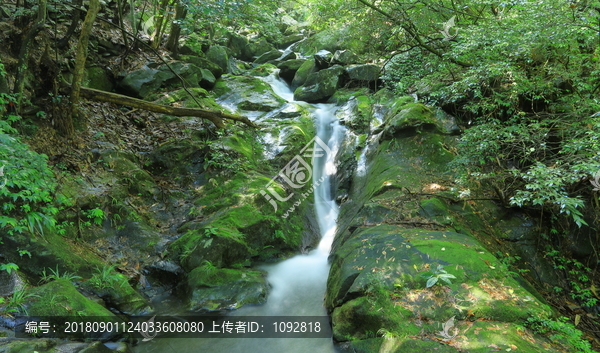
218,55
323,59
344,57
308,67
10,282
289,55
213,289
268,56
320,85
356,114
287,69
247,93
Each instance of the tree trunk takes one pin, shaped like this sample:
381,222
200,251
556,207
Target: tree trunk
161,15
26,49
81,53
215,116
173,40
73,26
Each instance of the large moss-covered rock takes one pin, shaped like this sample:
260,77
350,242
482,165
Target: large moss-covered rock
116,291
212,289
98,78
344,57
363,74
386,267
239,46
218,55
141,83
60,298
259,47
247,93
203,63
287,69
323,59
268,56
320,85
308,67
411,117
289,40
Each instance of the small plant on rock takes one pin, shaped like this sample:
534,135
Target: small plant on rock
434,276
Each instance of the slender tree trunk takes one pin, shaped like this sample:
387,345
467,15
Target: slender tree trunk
173,40
161,14
26,49
73,26
81,55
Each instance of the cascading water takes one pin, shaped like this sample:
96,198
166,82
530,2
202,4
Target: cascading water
297,284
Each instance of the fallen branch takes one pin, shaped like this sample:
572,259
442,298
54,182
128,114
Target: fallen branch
216,117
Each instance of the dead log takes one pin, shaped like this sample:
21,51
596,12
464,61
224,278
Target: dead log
216,117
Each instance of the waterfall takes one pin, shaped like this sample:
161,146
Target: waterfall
297,284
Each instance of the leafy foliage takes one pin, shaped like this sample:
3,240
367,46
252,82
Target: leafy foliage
561,330
27,196
435,275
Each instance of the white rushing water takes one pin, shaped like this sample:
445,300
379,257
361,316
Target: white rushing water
297,284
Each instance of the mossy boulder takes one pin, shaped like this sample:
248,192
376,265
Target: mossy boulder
218,55
203,63
412,117
238,45
259,47
247,93
115,290
323,59
288,40
271,55
367,74
356,114
308,67
98,78
288,68
61,298
213,289
378,281
320,85
143,82
344,57
182,160
263,70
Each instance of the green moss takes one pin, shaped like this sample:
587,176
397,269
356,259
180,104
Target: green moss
115,289
263,70
60,298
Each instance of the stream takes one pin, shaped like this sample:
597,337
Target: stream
297,284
